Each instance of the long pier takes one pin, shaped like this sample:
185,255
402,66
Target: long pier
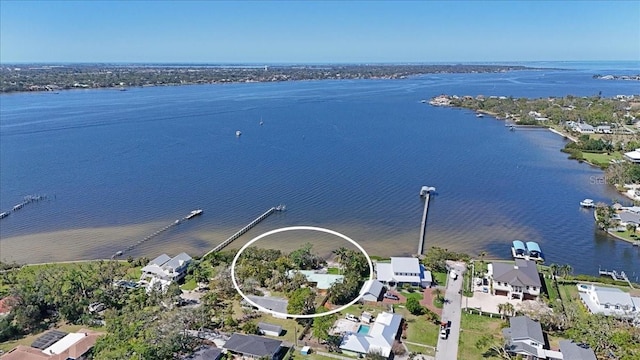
425,192
247,227
25,201
175,223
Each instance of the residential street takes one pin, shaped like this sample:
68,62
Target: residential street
451,311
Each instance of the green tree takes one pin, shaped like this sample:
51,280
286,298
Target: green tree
322,324
301,302
250,327
414,307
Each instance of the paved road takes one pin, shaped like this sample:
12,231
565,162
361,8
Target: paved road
451,311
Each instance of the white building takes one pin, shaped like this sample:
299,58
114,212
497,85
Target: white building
379,339
633,156
163,270
583,128
403,270
608,300
372,290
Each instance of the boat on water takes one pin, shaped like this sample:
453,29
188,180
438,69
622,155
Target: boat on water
194,213
587,203
479,115
238,132
4,214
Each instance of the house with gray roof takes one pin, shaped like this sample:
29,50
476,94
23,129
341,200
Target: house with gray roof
403,270
278,305
524,336
515,281
372,290
163,270
253,346
206,353
609,301
573,351
269,329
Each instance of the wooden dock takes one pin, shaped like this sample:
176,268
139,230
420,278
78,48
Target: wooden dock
425,192
246,228
25,201
158,232
616,276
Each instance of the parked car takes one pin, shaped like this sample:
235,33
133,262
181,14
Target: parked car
391,296
444,329
96,307
352,318
453,275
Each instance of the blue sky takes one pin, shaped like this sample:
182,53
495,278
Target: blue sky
318,32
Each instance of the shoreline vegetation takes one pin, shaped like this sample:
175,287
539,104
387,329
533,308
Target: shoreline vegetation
135,320
600,131
39,77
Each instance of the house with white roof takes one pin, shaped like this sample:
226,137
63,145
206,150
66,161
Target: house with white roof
163,270
583,128
403,270
633,156
520,281
608,300
380,338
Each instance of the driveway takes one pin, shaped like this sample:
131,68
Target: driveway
451,311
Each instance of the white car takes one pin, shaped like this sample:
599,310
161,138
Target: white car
352,318
453,275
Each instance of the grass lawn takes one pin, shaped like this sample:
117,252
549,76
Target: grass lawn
626,235
551,290
287,324
420,330
473,328
416,295
439,277
333,271
134,273
601,159
191,284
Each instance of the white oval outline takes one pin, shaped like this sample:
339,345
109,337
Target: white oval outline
291,228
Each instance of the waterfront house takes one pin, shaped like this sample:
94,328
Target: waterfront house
320,280
205,353
163,270
608,301
253,346
520,281
380,337
573,351
403,270
603,129
583,128
372,290
524,337
633,156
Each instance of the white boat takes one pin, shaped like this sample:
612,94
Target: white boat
479,115
238,132
588,203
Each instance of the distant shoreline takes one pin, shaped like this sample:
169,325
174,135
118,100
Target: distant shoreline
54,78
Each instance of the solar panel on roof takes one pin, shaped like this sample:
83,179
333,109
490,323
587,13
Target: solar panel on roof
47,339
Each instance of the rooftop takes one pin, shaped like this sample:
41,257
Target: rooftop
522,328
523,273
573,351
272,303
254,345
323,281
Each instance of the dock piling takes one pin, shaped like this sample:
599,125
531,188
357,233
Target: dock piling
425,192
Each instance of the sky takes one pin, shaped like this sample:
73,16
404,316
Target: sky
318,31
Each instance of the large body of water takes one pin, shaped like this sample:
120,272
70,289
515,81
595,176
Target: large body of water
345,155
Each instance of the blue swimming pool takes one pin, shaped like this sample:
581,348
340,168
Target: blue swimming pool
363,329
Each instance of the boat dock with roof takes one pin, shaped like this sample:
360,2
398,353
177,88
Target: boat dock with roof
529,251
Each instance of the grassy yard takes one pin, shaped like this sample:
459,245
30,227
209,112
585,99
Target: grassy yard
333,271
288,325
134,273
191,284
551,290
439,277
419,331
416,295
601,159
473,328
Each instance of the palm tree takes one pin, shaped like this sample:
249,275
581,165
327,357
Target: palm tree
509,309
554,270
501,308
438,294
566,270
